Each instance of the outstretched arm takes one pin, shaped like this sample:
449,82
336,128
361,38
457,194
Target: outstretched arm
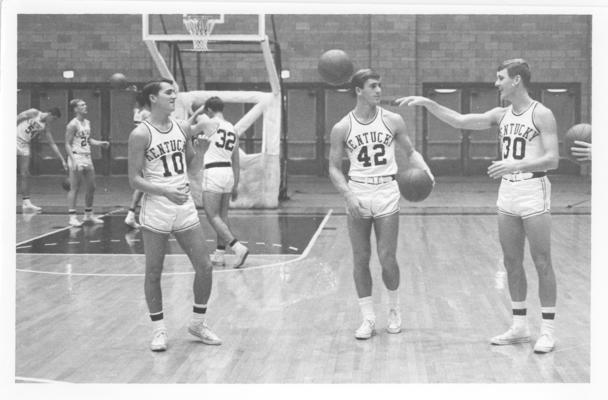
454,118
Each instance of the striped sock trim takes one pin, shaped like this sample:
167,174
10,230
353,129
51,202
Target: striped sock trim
197,309
234,241
520,311
157,316
25,198
72,212
221,247
548,312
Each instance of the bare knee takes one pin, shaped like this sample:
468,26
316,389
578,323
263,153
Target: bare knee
542,262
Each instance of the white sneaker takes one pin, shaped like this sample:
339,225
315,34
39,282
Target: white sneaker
202,331
29,207
241,252
92,218
159,341
545,343
75,222
512,336
366,330
130,220
217,259
394,321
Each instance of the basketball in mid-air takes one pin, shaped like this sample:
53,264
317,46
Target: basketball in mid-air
581,132
118,81
414,184
335,67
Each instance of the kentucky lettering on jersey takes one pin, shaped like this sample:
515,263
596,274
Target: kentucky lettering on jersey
366,138
370,147
165,156
519,136
168,146
82,136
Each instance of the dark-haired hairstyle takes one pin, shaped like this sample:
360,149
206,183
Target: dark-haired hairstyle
517,66
152,88
74,103
360,77
214,104
55,112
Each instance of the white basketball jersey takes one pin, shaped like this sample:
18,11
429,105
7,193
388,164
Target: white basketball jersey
370,147
30,128
519,136
82,136
166,156
221,143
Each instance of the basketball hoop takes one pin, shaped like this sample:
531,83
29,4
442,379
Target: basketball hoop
200,27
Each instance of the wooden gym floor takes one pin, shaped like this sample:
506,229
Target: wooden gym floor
290,316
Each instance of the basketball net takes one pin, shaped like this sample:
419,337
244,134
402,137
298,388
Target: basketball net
200,27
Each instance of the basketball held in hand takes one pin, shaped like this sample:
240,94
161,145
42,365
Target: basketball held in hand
335,67
414,184
580,132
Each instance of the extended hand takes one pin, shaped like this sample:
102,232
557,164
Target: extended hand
105,144
500,168
411,101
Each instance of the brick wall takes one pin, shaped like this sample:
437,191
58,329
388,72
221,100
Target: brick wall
407,50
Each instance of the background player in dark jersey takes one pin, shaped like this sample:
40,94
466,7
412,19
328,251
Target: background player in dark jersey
528,135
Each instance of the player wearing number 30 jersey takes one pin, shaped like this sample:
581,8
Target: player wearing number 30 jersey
528,136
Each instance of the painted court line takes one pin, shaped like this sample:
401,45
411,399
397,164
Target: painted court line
302,256
59,230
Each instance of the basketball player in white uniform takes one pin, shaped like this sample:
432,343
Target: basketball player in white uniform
367,134
528,135
220,181
78,144
160,152
31,123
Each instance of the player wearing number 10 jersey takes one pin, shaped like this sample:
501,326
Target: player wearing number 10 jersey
368,135
159,154
528,136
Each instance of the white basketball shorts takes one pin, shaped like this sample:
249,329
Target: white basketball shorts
525,198
80,162
218,180
377,200
161,215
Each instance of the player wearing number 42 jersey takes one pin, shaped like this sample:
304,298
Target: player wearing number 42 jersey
528,135
368,135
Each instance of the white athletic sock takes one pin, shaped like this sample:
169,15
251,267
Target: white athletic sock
198,317
159,325
519,314
548,322
393,299
130,215
367,308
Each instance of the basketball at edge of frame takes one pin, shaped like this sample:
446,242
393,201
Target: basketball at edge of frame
119,81
580,132
65,184
414,184
335,67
